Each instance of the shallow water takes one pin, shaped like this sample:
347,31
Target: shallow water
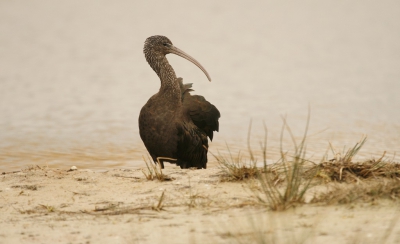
73,76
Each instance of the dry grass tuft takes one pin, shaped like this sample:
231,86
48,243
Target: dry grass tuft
296,185
351,172
235,168
348,156
154,171
290,169
365,192
342,169
284,184
159,205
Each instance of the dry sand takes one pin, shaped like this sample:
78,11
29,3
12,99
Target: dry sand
49,205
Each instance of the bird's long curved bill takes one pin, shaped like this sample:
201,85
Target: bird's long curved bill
186,56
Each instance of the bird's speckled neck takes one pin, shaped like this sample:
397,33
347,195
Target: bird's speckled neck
159,63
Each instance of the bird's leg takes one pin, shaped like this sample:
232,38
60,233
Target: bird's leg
161,162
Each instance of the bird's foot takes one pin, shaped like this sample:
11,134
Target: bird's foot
160,160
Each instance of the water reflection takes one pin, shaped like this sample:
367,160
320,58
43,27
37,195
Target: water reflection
73,81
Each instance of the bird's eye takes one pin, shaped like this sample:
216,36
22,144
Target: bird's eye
165,44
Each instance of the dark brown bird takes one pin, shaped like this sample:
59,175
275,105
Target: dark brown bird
174,124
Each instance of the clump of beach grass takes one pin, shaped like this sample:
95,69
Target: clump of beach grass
363,192
292,169
343,169
236,168
154,171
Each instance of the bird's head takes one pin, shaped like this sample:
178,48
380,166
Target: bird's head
158,44
161,46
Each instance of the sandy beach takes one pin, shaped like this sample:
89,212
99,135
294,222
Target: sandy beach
45,205
73,79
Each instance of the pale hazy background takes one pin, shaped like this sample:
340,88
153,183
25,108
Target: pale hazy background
73,76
